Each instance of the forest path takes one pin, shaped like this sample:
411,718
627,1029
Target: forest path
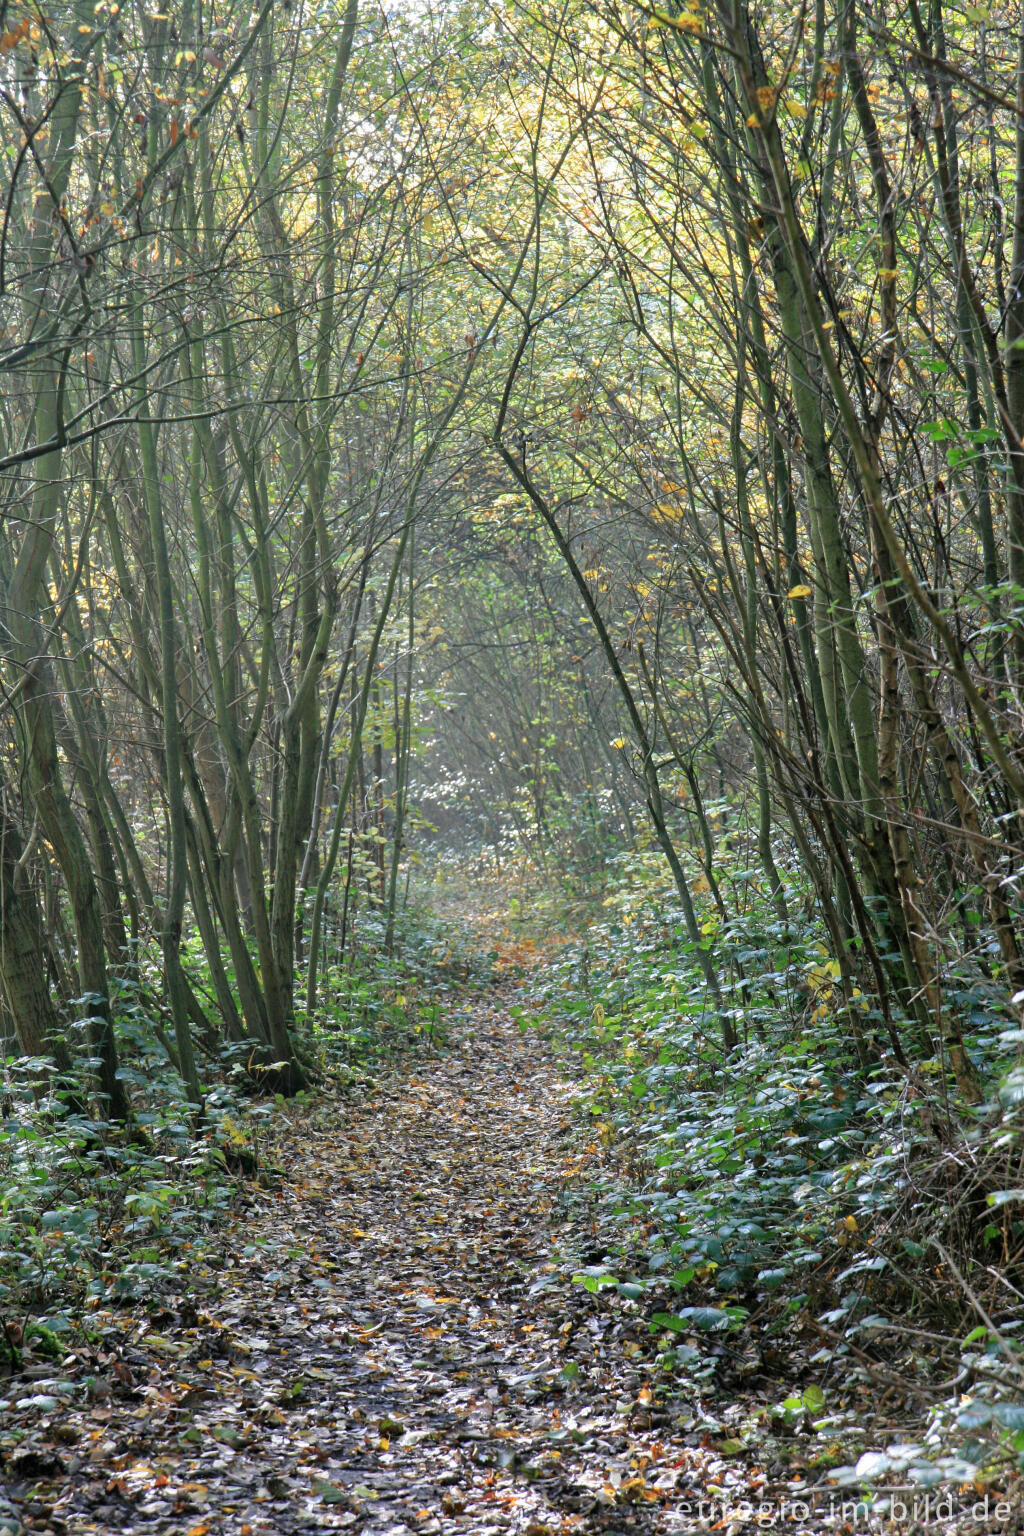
392,1340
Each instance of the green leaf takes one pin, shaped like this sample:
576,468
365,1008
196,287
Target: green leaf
704,1319
329,1492
668,1320
594,1280
771,1279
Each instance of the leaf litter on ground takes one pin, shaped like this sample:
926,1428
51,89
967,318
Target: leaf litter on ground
389,1339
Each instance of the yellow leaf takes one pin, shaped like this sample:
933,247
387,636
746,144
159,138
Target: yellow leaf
800,591
689,23
753,120
619,743
701,885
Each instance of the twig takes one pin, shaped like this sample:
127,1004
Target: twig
1010,1354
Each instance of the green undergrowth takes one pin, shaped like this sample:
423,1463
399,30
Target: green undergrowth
783,1207
96,1215
376,1001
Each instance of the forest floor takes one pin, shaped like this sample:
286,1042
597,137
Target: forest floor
388,1338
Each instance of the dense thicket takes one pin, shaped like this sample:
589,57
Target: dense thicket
597,419
215,434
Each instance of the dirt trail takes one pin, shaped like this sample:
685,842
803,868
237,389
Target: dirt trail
392,1341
